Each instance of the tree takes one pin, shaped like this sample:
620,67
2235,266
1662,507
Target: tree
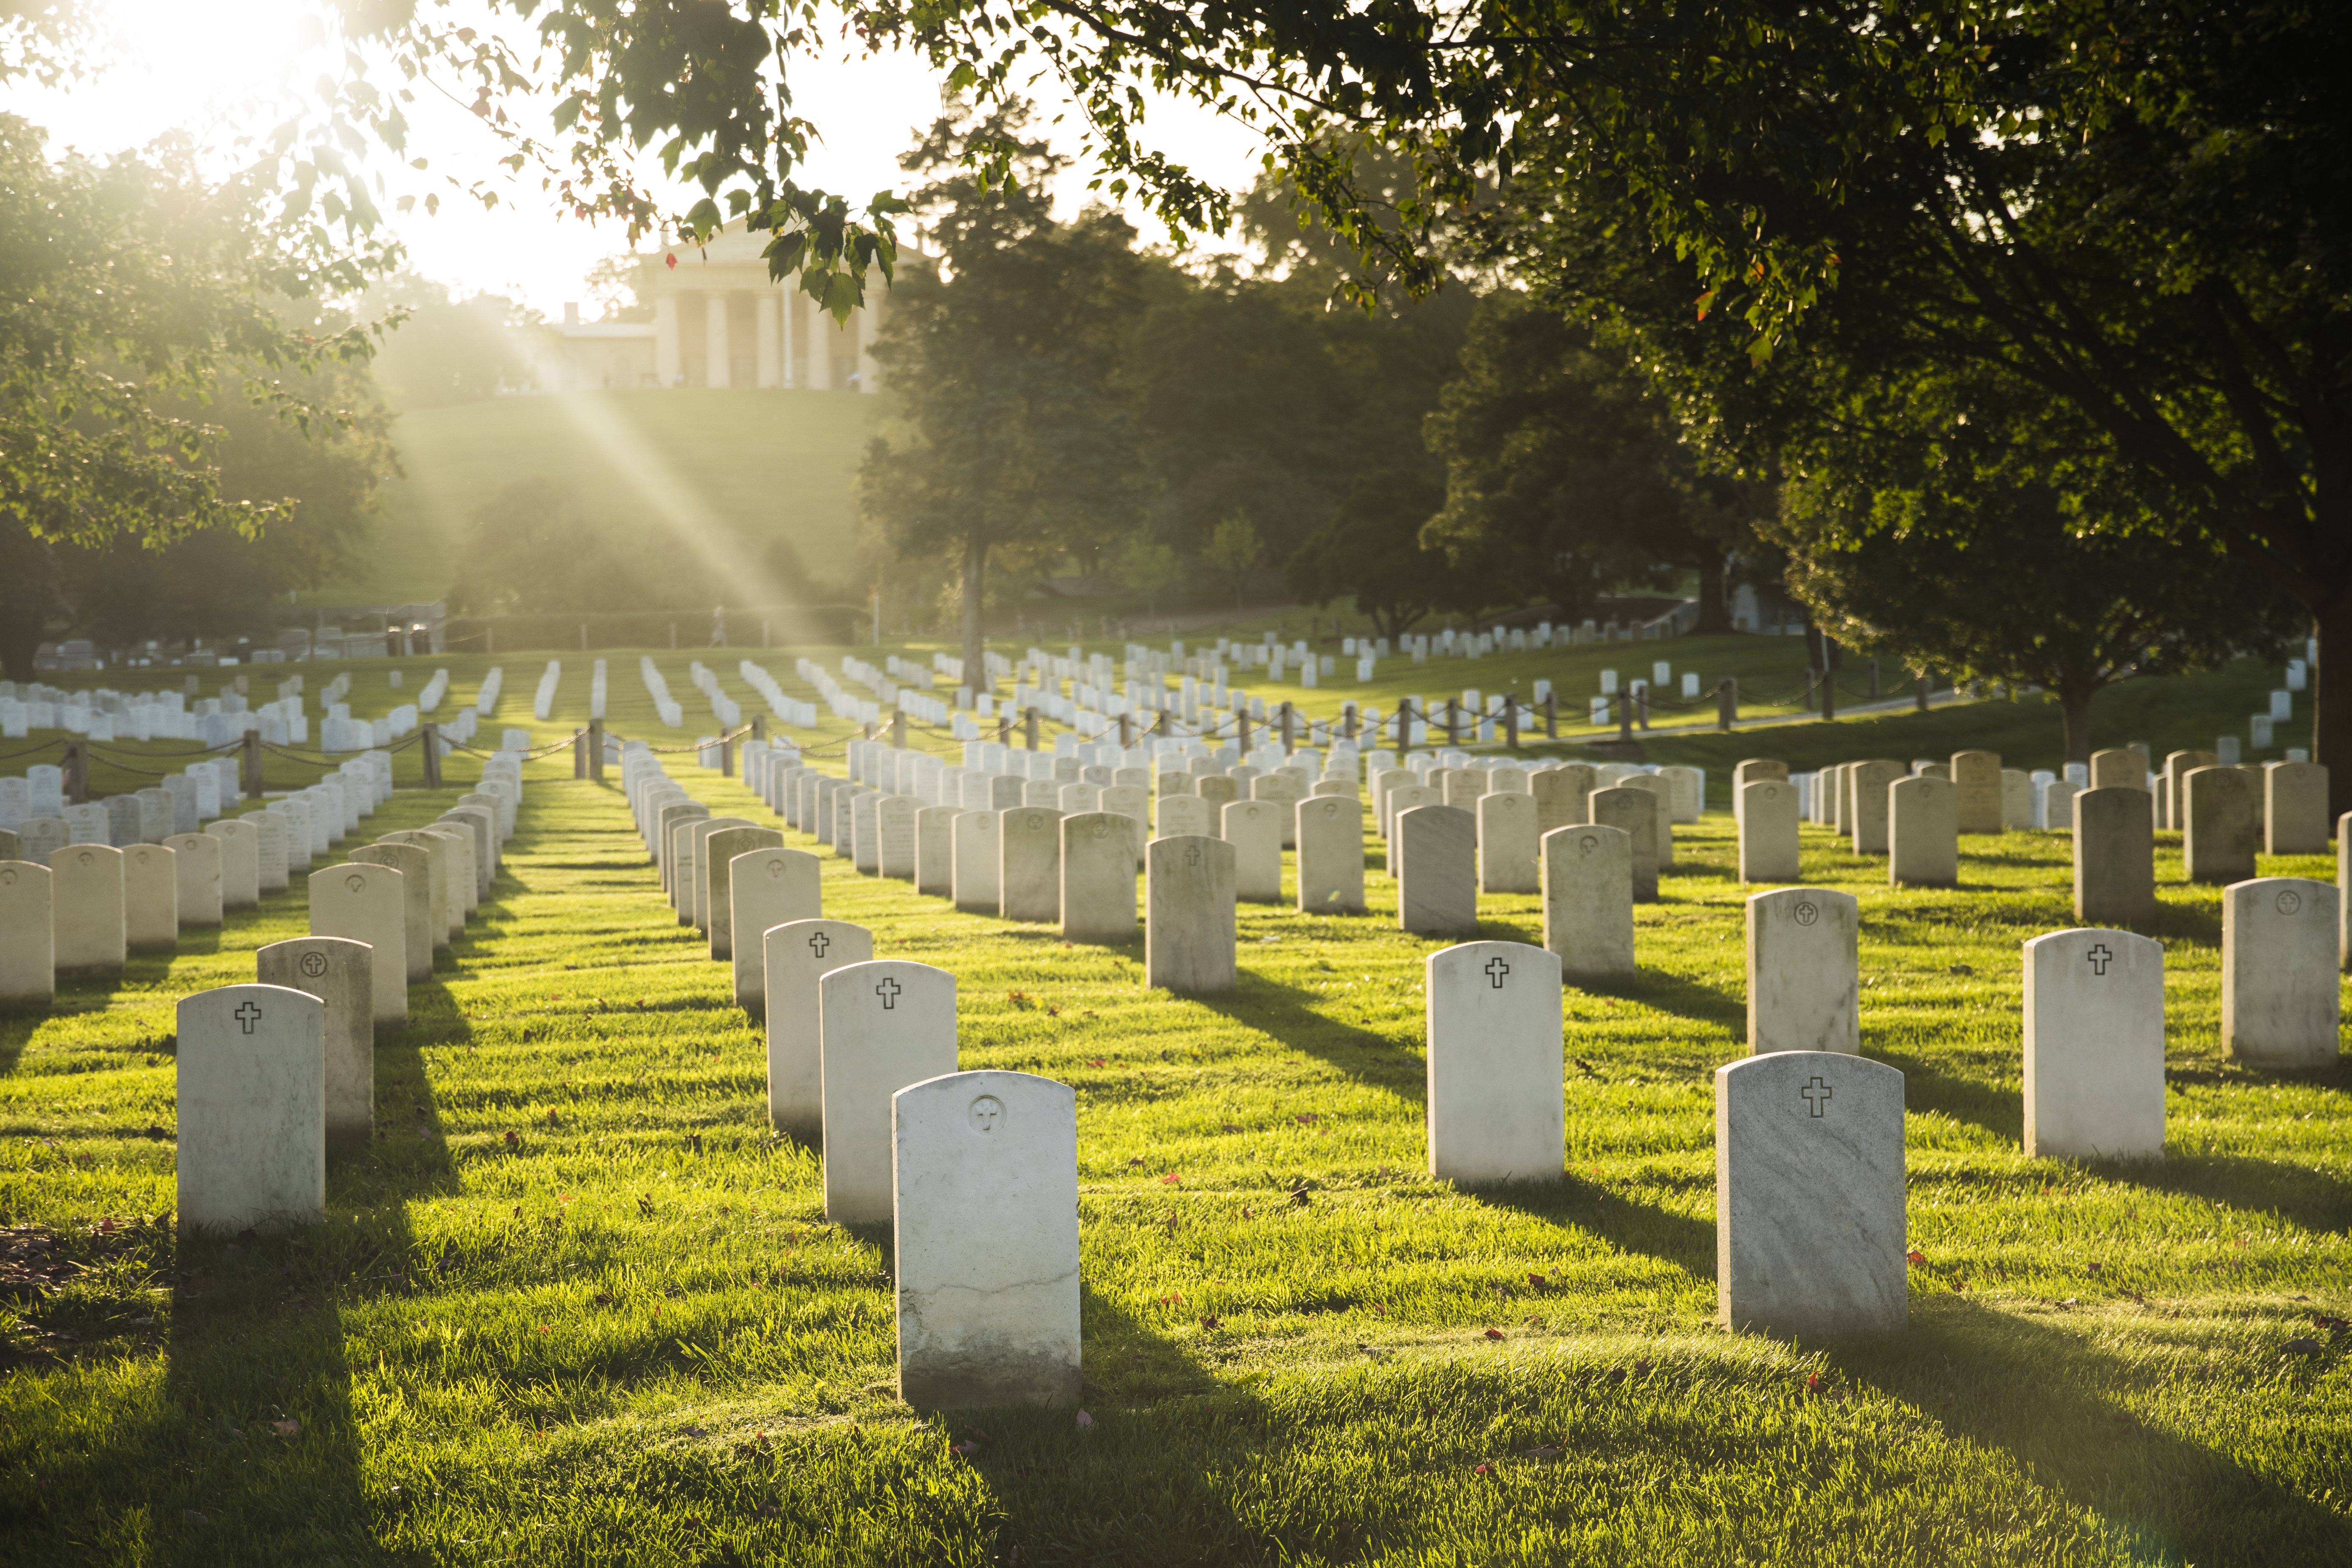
1009,436
1372,551
1151,568
535,547
1235,552
446,350
1566,476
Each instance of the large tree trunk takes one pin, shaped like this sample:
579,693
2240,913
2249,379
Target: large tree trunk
975,642
1714,615
2331,704
2075,707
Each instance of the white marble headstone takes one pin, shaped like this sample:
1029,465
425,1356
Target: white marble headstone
367,903
341,974
251,1073
1495,1080
798,955
2093,1045
2282,995
883,1025
1803,973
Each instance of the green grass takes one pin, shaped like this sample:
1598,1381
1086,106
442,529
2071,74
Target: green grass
753,464
629,1336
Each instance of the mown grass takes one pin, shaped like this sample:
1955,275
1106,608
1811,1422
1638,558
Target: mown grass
629,1336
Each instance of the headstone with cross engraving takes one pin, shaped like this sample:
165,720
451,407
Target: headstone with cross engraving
1803,976
1923,832
2222,826
1330,835
720,851
1255,831
251,1071
2280,987
2114,856
978,848
985,1173
1189,914
240,856
935,851
1506,843
417,911
1029,865
766,887
883,1025
1185,817
1495,1064
1633,812
340,973
1587,898
1768,832
1437,884
150,899
2294,808
1098,895
87,909
2094,1044
1808,1229
368,903
196,873
796,956
29,968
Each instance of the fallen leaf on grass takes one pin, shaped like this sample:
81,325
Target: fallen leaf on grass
1915,1255
287,1429
1493,1333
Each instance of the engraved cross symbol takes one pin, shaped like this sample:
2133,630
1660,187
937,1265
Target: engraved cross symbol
1192,856
818,943
1496,970
248,1014
889,992
1816,1094
2100,958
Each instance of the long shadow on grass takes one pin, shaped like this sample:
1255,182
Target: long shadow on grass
1287,1014
1688,1243
2000,1111
2046,1397
2313,1199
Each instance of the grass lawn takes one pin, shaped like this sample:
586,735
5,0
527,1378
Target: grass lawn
577,1304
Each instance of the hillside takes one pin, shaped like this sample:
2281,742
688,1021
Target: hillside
752,463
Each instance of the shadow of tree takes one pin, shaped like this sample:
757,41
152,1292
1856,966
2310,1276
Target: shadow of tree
1631,1225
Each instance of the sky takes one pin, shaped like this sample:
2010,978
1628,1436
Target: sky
216,68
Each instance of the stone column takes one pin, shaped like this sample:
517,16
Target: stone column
667,363
821,333
869,324
793,336
766,330
715,350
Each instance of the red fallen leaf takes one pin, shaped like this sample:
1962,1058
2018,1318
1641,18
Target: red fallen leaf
964,1450
1813,1382
1536,1279
1095,1061
1170,1180
551,1119
513,1141
1484,1470
1212,1323
1915,1256
1493,1333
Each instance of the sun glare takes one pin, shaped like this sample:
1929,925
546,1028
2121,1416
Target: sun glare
213,70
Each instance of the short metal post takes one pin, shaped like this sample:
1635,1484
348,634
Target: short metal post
579,752
759,725
596,750
1727,704
1511,721
1029,725
1454,720
726,756
253,765
1551,715
1289,729
429,748
898,728
1625,715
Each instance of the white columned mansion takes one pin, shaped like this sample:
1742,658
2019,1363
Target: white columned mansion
719,320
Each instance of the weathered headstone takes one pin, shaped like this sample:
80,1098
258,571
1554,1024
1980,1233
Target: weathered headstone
985,1178
1923,832
978,848
2114,856
1633,812
1189,914
767,888
695,872
866,832
423,864
894,835
341,974
1283,792
28,965
2178,767
1218,791
796,956
1253,827
196,867
1330,837
2094,1042
1809,1186
1560,793
2294,808
1098,895
1803,971
1768,842
2217,843
367,903
38,838
1185,816
935,851
270,874
1506,843
1869,782
251,1074
885,1025
1662,803
1029,873
240,856
2280,984
2117,767
1496,1079
1588,893
720,852
150,899
1437,883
